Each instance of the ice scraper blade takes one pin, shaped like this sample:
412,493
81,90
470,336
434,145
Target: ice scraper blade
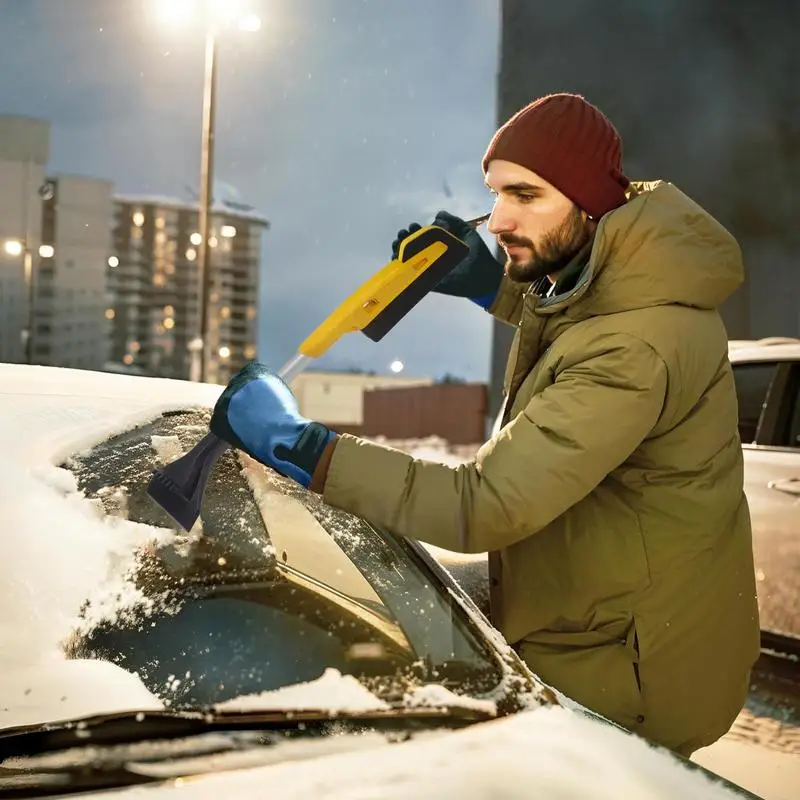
424,258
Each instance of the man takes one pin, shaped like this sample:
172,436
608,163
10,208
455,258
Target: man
611,498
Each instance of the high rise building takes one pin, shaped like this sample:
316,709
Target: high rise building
154,283
54,238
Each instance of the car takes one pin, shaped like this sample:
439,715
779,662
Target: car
280,647
767,376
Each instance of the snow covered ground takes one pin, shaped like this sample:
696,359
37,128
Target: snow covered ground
57,549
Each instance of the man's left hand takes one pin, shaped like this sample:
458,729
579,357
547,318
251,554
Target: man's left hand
258,413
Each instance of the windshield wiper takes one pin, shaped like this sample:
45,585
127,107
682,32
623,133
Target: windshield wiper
134,726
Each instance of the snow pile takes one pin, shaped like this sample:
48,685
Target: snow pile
435,695
58,549
53,690
332,692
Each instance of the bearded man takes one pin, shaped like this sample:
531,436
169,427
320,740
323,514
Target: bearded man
610,498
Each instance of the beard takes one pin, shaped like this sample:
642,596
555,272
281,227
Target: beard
557,248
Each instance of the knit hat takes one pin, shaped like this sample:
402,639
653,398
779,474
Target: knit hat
572,145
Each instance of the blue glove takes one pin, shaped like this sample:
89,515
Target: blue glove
258,413
478,275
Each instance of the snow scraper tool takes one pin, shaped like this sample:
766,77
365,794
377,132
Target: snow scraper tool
374,308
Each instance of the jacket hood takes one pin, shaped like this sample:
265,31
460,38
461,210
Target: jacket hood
660,248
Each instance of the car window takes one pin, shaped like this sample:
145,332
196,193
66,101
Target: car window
789,421
269,589
753,382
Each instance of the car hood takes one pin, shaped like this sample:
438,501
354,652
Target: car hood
545,752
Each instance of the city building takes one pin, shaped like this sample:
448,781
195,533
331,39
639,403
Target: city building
24,152
337,399
53,248
154,283
71,329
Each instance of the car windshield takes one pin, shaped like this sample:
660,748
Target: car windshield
271,588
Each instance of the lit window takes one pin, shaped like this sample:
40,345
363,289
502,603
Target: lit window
227,231
213,241
251,312
196,239
169,311
224,352
159,280
128,358
191,254
134,347
249,352
46,251
138,219
13,247
110,314
169,323
225,312
113,261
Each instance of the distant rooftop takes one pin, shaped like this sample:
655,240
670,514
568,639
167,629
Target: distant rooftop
223,206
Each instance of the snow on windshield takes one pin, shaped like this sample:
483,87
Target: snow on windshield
332,691
70,559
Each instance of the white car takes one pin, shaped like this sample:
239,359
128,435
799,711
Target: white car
767,374
282,648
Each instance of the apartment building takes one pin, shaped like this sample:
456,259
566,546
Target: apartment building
154,282
54,238
71,328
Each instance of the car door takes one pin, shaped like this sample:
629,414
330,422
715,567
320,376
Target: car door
769,422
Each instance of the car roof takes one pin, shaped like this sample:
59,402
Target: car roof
774,348
47,413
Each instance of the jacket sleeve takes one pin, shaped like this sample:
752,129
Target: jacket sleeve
568,438
507,305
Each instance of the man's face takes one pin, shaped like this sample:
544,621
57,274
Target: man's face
540,229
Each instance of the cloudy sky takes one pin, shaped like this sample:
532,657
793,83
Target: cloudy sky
341,120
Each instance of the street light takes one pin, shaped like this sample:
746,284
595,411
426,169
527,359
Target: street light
214,15
13,247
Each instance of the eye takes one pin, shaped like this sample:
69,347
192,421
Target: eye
526,198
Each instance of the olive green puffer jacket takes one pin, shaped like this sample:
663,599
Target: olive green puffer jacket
611,499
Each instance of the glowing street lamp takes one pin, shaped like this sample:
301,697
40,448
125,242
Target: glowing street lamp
13,247
215,15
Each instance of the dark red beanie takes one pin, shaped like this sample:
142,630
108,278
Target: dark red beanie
572,145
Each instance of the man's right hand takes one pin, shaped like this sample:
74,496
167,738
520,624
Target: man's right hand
478,275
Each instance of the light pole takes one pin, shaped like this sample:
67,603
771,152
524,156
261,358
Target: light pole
216,14
206,198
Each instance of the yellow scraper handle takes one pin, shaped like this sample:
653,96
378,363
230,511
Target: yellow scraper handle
373,296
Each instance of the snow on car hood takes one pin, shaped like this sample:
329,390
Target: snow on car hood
547,752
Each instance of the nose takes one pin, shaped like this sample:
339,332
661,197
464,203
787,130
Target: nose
500,221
